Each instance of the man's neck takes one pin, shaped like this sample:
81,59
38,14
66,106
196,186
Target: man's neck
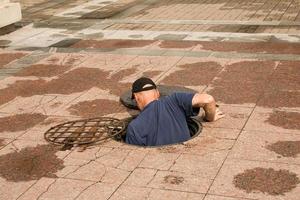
148,102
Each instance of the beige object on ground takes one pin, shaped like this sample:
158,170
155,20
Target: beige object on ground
9,13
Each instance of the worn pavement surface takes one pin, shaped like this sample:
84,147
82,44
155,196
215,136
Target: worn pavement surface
69,60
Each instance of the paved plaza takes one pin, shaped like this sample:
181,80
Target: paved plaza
72,59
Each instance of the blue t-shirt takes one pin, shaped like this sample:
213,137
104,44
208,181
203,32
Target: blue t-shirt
162,121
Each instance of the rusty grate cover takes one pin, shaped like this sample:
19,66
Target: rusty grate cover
85,131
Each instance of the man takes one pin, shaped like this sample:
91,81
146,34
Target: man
163,121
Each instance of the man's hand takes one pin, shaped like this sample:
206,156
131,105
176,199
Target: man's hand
208,103
218,115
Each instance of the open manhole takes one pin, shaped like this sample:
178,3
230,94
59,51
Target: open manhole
195,128
88,131
164,90
85,131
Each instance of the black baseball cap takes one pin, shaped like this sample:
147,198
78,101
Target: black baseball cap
142,84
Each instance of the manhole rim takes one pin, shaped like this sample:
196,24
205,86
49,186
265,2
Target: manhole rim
194,119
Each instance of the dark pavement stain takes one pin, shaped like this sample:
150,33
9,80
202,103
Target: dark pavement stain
252,47
20,122
31,163
168,149
283,89
195,74
2,143
43,70
238,116
94,36
136,36
57,104
174,180
77,80
96,108
168,44
285,148
171,37
64,43
52,121
4,42
151,74
242,82
268,181
6,58
284,119
286,76
112,44
280,98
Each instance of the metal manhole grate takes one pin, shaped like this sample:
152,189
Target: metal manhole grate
85,131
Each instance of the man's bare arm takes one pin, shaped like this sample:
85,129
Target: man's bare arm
208,103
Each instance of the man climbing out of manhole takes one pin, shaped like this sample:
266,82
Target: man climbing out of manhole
163,121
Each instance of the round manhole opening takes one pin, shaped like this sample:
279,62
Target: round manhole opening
85,131
164,90
195,128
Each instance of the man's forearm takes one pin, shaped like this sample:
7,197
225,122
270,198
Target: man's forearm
210,111
208,103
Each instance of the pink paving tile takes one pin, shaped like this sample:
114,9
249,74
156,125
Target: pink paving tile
52,66
205,166
140,177
114,158
65,189
249,47
87,154
223,184
235,117
174,45
116,176
274,98
94,103
4,142
286,76
18,145
198,146
107,62
11,135
242,82
158,194
216,197
180,182
255,145
161,161
46,104
131,193
76,81
12,190
33,135
266,119
65,59
133,159
224,133
92,171
48,123
112,44
13,126
8,57
37,189
206,145
194,71
150,63
100,191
